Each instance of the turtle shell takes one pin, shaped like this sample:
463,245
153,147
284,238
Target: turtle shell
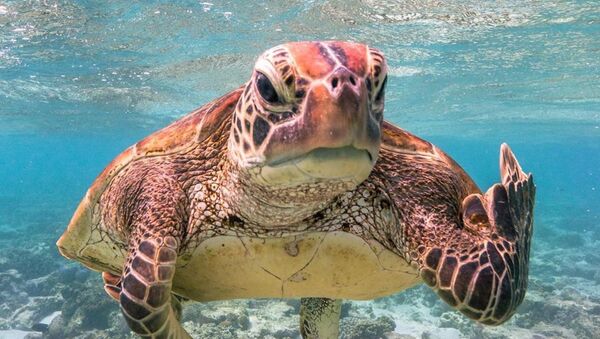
93,249
396,139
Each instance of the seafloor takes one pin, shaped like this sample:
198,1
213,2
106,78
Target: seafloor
80,81
563,300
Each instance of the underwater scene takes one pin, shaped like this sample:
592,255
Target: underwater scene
80,81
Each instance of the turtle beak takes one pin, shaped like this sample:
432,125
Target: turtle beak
335,115
348,112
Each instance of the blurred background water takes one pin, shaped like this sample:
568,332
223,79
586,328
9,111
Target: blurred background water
82,80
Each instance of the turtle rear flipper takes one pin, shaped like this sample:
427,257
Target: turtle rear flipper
487,280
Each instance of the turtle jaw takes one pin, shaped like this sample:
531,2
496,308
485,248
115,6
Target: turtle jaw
348,164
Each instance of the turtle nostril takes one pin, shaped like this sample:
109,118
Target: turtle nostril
352,81
334,82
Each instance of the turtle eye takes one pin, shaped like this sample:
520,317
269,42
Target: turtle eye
381,93
266,89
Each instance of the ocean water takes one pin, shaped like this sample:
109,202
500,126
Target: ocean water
82,80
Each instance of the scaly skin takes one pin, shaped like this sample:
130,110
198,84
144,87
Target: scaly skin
267,170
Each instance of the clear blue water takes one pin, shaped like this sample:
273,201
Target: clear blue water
80,81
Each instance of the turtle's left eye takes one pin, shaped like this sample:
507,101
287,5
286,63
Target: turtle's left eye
266,89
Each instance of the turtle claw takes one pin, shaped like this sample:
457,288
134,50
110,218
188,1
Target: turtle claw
112,285
499,212
510,170
113,291
510,204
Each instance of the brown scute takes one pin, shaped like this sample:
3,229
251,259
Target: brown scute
144,268
482,291
185,130
483,259
502,217
135,287
111,279
505,299
260,130
511,266
170,242
446,271
156,321
148,249
236,136
158,295
394,137
194,127
238,124
167,255
495,258
463,279
109,172
325,55
165,272
133,309
433,258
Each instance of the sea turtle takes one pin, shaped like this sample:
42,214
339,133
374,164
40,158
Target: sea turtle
294,186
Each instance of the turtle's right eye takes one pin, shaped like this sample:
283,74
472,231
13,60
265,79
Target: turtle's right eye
381,93
266,89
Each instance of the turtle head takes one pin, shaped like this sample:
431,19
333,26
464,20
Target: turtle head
311,112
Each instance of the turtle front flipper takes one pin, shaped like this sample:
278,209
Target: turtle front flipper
112,286
320,318
486,279
146,289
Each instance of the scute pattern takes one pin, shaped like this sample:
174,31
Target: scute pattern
146,288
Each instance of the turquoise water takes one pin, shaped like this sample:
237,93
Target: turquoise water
82,80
